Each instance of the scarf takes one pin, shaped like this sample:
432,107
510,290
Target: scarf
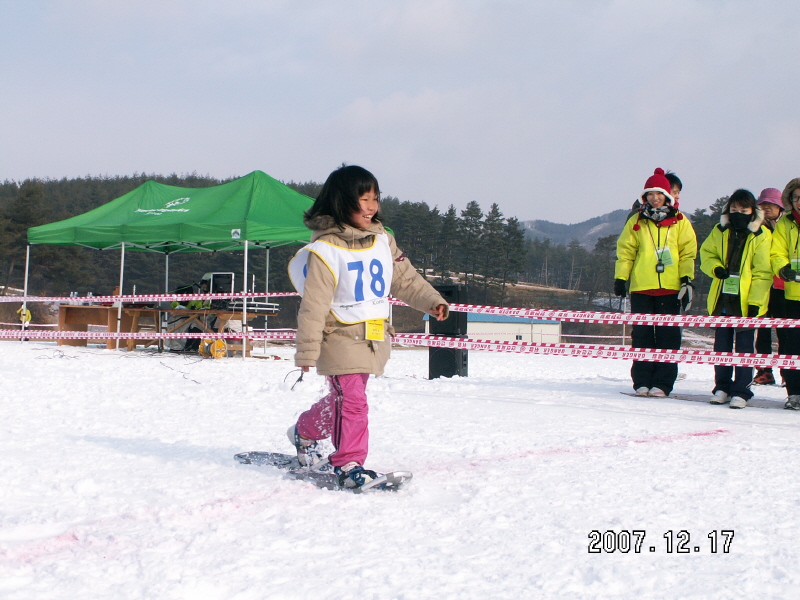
657,214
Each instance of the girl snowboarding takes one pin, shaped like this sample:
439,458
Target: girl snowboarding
345,277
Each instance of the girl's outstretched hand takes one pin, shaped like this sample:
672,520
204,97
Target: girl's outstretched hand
439,312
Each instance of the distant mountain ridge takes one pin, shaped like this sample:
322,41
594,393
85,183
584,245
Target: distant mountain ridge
587,232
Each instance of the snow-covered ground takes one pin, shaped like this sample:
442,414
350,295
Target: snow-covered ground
117,480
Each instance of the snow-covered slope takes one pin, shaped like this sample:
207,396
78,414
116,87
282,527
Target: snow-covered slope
118,481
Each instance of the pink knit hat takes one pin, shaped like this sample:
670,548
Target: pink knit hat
771,195
658,182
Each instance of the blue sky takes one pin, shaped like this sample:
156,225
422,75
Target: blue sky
554,110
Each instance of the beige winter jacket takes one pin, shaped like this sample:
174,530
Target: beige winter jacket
334,347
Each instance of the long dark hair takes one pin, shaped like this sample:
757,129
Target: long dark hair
340,193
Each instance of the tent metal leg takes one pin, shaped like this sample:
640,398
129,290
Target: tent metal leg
25,288
266,290
244,305
119,308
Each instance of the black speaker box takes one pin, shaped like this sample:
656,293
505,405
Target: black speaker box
447,362
456,323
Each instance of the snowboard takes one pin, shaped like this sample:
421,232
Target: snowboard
706,398
321,473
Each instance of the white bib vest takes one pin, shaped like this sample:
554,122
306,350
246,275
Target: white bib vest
362,277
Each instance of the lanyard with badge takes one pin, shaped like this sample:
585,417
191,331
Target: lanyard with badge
663,253
794,263
731,284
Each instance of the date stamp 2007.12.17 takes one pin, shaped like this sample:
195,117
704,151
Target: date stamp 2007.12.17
670,542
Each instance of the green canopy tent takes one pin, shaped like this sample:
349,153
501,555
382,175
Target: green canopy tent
252,211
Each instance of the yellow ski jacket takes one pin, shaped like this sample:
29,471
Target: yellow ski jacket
785,250
637,258
755,272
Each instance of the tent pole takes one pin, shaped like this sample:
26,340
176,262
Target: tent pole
244,304
266,289
162,322
27,267
25,290
119,308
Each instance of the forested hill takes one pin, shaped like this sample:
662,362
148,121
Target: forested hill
587,232
478,246
482,248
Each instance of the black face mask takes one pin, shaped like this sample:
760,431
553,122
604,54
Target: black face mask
740,220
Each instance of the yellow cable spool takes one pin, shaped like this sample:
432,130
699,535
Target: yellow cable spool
219,349
205,348
213,348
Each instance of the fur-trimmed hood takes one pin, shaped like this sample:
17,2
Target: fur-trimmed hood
786,196
324,225
754,226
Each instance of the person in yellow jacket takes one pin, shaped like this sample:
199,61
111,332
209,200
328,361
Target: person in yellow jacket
24,318
785,258
769,201
655,253
736,255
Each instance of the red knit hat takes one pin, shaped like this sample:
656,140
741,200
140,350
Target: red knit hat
658,182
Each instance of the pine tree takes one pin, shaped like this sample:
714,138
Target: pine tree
601,263
513,255
446,263
703,221
469,240
492,253
415,227
578,258
24,212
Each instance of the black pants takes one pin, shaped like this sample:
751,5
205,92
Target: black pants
664,337
789,343
724,379
777,310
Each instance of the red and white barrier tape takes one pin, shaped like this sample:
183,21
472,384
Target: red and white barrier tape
603,337
581,350
609,318
144,297
142,335
627,318
619,352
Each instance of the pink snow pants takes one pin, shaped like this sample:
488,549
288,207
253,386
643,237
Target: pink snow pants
342,415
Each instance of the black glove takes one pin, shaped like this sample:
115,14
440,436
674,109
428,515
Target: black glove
619,288
721,273
686,293
752,311
788,273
